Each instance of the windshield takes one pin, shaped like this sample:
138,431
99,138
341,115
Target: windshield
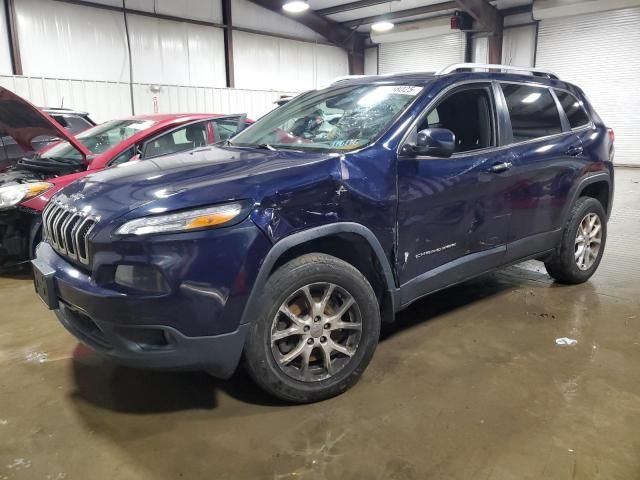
99,139
335,119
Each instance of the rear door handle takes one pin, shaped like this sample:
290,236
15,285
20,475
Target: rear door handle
500,167
574,151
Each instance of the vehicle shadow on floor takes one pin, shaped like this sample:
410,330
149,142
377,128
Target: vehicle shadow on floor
121,389
128,390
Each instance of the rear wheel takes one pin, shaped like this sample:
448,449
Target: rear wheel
318,332
582,245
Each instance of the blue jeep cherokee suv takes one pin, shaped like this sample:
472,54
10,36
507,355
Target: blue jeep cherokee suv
290,244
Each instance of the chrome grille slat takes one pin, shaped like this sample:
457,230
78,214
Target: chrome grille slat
54,219
67,230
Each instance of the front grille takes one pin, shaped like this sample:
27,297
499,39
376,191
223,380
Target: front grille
67,230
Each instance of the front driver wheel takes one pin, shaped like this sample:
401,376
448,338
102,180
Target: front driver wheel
318,332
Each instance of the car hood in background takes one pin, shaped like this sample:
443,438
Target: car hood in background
23,122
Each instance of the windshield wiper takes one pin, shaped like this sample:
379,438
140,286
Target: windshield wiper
266,146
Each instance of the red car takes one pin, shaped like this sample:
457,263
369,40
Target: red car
26,187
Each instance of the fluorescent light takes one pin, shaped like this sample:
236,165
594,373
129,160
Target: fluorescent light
531,98
295,6
382,26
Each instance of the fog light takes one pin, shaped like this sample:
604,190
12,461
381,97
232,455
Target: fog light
141,277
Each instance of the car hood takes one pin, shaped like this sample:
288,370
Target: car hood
23,122
187,180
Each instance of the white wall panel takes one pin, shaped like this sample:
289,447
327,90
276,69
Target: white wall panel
69,41
422,55
103,100
330,62
176,53
371,61
271,63
107,100
249,15
609,75
205,10
480,49
5,52
519,45
175,99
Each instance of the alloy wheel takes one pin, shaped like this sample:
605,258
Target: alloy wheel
316,332
588,241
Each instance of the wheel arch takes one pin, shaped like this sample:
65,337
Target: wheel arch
598,186
324,239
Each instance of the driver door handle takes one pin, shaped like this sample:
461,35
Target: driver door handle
500,167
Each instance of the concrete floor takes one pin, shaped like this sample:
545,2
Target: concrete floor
468,384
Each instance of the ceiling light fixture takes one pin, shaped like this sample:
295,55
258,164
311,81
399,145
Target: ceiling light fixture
295,6
382,26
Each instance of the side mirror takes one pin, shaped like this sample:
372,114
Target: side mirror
434,142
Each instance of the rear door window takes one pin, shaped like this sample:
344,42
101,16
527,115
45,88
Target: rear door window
533,111
573,109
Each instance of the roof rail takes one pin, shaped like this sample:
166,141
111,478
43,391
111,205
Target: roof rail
539,72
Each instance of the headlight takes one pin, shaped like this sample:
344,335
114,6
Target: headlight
14,194
183,221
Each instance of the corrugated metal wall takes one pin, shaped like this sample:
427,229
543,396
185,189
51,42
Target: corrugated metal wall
62,40
600,52
422,55
107,100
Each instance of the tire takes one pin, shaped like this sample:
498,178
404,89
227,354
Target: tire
563,265
295,367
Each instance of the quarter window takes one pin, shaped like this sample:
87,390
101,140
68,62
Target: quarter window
573,108
533,112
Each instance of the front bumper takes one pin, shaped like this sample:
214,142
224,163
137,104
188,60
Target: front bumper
195,325
155,347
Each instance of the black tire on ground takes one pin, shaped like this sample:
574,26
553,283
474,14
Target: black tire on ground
259,356
562,265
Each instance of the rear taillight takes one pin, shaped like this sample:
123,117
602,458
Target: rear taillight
612,135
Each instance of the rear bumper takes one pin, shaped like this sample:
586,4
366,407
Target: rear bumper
155,347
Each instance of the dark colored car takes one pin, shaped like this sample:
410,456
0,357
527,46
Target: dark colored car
73,121
26,187
290,249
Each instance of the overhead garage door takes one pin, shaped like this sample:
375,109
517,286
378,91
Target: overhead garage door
421,55
600,52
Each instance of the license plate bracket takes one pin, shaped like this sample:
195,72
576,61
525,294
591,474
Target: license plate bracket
44,283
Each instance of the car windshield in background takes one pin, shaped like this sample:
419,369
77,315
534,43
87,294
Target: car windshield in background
99,139
334,119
